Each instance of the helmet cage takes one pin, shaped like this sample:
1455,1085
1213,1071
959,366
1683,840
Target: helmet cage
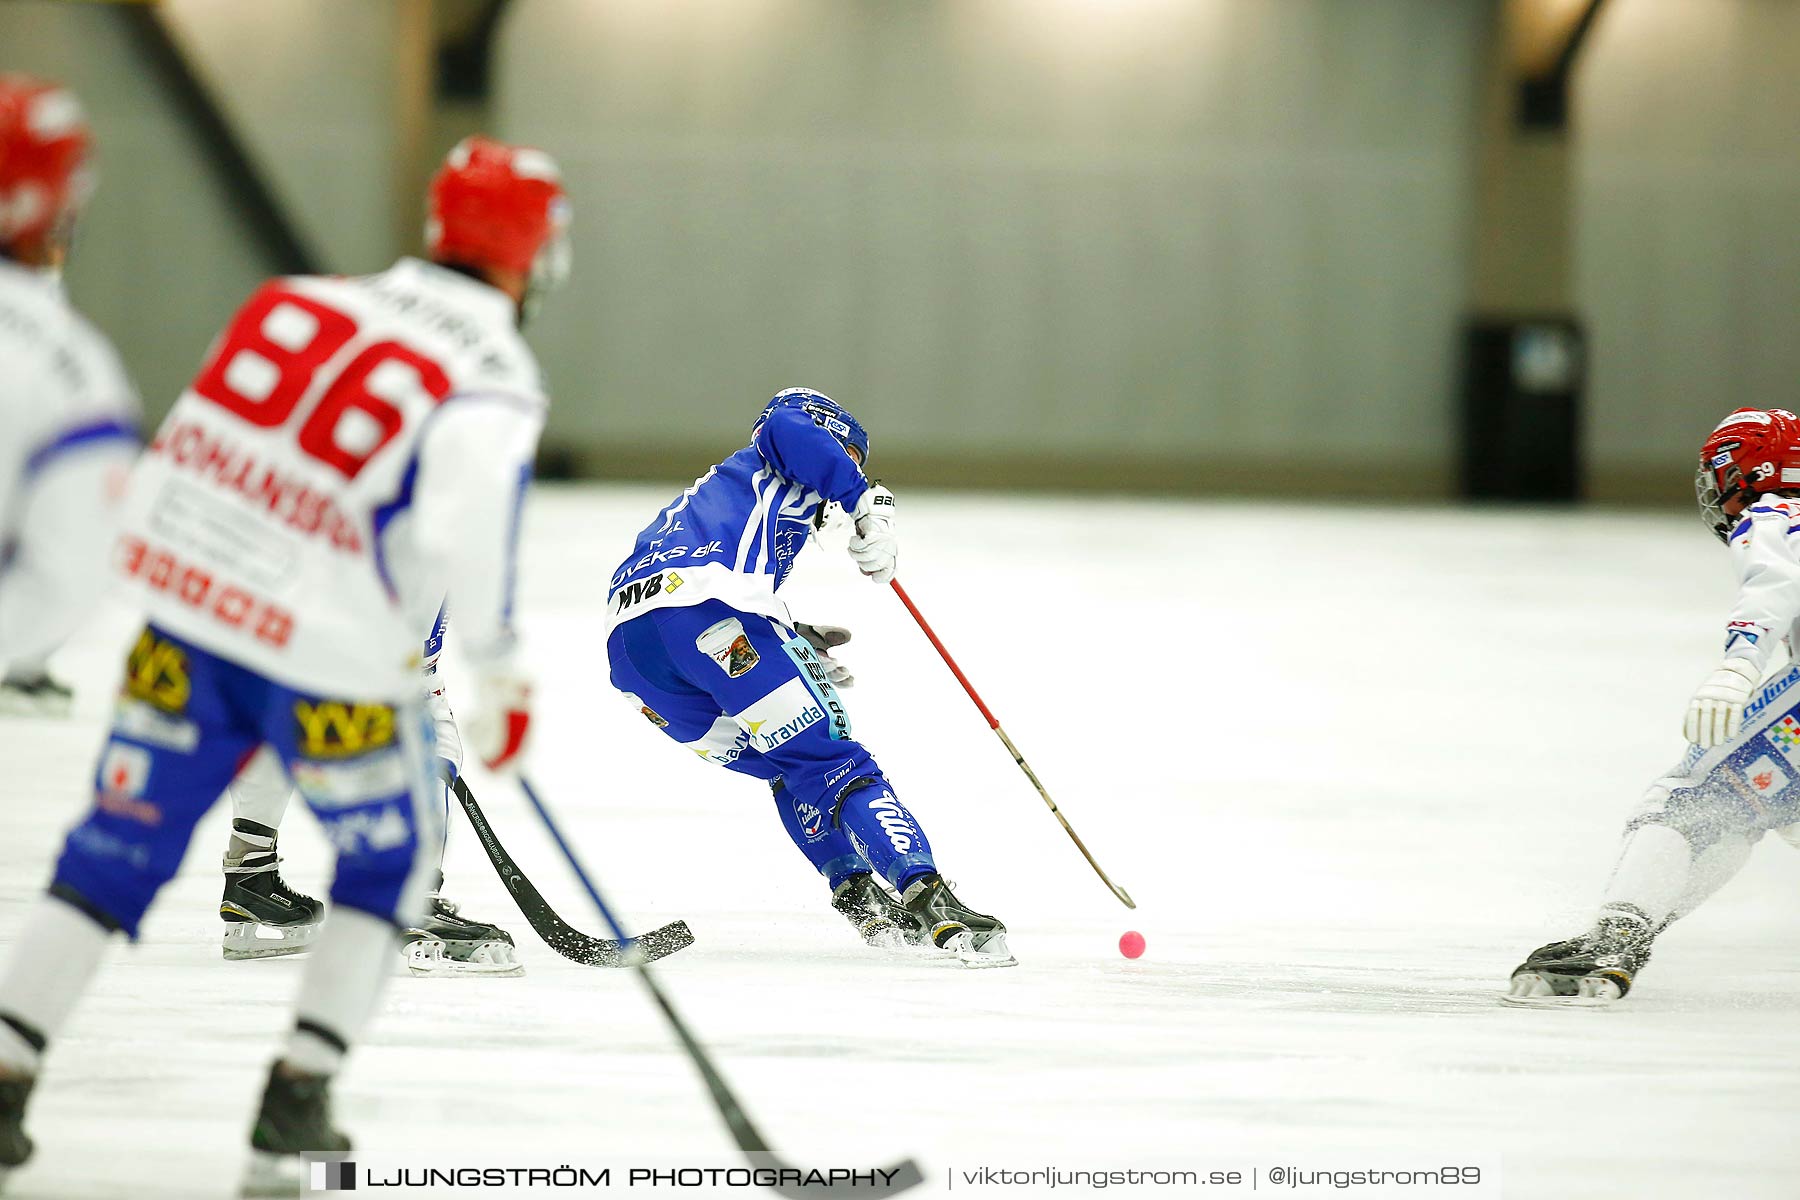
551,264
1717,482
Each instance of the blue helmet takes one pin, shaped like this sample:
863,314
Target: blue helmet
826,413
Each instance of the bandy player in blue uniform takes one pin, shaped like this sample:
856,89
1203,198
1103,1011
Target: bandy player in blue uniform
700,643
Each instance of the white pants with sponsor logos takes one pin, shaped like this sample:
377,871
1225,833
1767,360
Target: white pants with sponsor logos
1697,823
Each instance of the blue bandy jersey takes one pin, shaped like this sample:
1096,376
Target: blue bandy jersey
734,534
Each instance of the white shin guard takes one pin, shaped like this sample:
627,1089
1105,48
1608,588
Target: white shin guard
349,966
53,960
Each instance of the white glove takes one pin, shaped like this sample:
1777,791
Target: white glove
1717,708
875,547
501,725
822,638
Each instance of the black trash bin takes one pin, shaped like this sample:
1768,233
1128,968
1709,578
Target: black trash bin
1521,409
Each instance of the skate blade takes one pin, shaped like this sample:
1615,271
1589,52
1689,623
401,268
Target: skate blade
15,705
272,1175
993,953
1532,990
430,957
253,939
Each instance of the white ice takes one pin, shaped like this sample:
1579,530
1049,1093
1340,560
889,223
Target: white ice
1353,763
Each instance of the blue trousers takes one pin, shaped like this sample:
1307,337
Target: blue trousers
188,721
747,693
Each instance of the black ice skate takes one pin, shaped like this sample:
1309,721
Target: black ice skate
877,917
263,916
33,693
1596,968
445,943
15,1147
295,1119
976,939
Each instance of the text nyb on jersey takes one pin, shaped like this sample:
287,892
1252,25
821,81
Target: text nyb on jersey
351,450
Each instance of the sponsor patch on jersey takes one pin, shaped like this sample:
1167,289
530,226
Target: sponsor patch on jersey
722,744
376,828
727,644
1765,777
652,716
894,821
125,769
357,781
781,716
124,773
818,682
156,673
1770,692
342,729
643,589
812,820
1784,735
143,722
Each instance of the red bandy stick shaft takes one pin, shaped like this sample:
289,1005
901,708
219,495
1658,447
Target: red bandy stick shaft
993,722
1124,897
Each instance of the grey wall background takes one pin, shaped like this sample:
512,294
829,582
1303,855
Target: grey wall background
1212,236
161,259
1201,243
1689,225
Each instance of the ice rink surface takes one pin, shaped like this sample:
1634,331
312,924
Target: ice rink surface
1352,762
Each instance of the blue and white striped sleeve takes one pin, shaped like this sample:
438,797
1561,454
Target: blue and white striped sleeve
808,455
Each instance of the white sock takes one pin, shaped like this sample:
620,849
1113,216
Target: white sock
346,969
261,791
55,957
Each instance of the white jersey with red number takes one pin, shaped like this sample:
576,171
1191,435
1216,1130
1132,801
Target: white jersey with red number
352,450
68,434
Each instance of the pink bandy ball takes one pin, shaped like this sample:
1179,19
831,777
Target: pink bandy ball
1131,944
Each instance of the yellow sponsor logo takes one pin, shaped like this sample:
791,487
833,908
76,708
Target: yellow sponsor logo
156,672
335,729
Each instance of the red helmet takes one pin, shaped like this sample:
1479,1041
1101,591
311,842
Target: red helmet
1751,452
44,173
495,205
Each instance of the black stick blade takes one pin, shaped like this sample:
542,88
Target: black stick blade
557,933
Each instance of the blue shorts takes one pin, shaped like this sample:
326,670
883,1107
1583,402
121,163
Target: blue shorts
747,693
188,721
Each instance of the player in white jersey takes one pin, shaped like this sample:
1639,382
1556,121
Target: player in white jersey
1740,777
352,451
68,415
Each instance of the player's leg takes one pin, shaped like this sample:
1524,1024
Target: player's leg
1692,833
178,738
769,681
365,769
445,942
873,909
689,715
263,916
